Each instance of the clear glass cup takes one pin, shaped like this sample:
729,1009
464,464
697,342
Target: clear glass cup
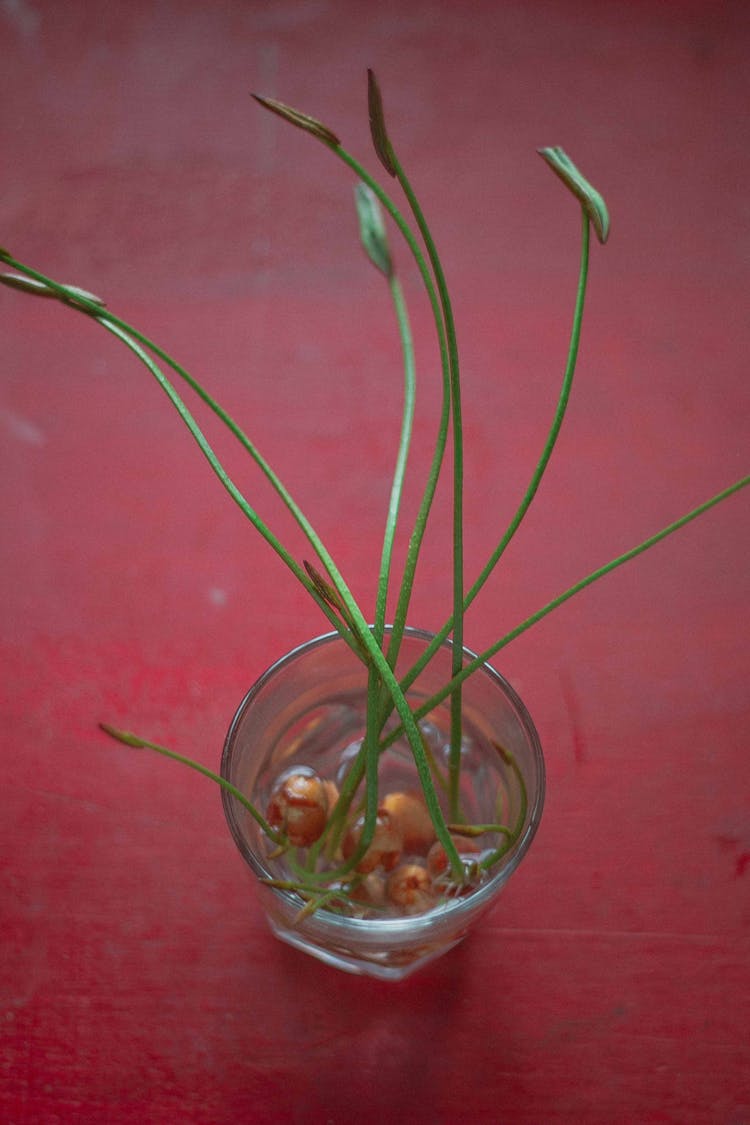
309,709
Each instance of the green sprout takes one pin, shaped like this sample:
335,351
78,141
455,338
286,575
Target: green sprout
326,885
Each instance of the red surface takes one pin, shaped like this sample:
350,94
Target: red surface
138,981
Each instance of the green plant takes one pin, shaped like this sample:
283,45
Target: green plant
331,884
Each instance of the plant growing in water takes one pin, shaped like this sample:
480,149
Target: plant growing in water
345,843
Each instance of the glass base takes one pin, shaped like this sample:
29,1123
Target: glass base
383,966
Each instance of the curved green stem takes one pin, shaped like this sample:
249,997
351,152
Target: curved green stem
134,740
420,524
473,665
557,421
549,445
471,831
229,485
407,423
523,805
458,476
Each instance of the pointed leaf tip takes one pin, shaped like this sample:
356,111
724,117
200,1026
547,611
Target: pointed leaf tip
325,590
72,294
372,229
123,736
589,197
377,125
26,284
301,120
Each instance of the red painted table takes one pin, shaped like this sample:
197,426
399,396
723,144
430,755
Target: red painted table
138,981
